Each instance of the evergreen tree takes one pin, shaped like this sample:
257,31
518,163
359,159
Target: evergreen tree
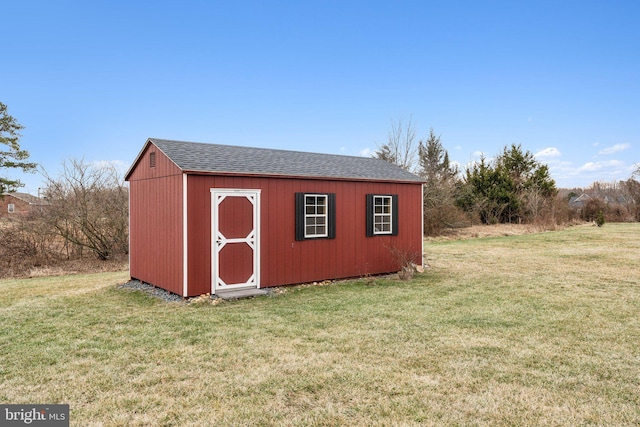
14,156
434,160
439,190
512,188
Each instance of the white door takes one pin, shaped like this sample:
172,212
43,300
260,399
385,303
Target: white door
235,239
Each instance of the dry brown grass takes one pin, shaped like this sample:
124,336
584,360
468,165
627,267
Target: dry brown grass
86,265
495,230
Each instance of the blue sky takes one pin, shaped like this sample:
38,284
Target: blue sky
95,79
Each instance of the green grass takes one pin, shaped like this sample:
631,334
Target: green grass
540,329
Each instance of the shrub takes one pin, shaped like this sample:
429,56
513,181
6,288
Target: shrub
27,242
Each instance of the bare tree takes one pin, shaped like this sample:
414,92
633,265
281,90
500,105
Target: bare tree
88,207
534,203
401,147
631,197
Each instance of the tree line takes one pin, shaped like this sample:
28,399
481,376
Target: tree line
511,187
86,211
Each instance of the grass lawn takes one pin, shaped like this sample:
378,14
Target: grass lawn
540,329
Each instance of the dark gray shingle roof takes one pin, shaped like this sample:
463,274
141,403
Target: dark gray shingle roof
212,158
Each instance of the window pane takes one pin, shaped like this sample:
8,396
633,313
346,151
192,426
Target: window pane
315,215
382,214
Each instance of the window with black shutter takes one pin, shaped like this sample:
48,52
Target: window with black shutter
382,214
315,216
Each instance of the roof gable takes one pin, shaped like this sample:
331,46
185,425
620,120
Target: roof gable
27,198
194,157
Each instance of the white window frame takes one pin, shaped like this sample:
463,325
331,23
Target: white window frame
11,208
315,215
379,215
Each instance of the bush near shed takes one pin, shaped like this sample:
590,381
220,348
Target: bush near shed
86,218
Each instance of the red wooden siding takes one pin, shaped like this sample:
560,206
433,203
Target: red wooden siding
285,260
155,222
236,261
238,217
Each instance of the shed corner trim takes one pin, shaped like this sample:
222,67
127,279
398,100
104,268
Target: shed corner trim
185,245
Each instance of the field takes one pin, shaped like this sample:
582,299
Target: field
527,330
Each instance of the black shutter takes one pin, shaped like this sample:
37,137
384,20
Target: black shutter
331,231
369,213
299,216
394,215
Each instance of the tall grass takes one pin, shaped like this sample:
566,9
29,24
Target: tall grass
539,329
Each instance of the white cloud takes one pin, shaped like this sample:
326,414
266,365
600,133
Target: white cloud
367,152
457,147
478,154
614,149
110,163
599,166
568,175
547,153
589,167
119,165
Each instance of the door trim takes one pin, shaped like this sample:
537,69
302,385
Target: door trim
218,241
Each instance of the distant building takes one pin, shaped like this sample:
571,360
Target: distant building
578,202
19,204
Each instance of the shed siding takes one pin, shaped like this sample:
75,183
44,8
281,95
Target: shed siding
287,261
155,222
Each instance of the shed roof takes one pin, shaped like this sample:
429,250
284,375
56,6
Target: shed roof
198,157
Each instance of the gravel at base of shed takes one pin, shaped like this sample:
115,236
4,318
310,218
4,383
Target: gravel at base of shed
167,296
152,291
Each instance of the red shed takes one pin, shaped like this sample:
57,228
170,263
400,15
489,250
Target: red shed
209,217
